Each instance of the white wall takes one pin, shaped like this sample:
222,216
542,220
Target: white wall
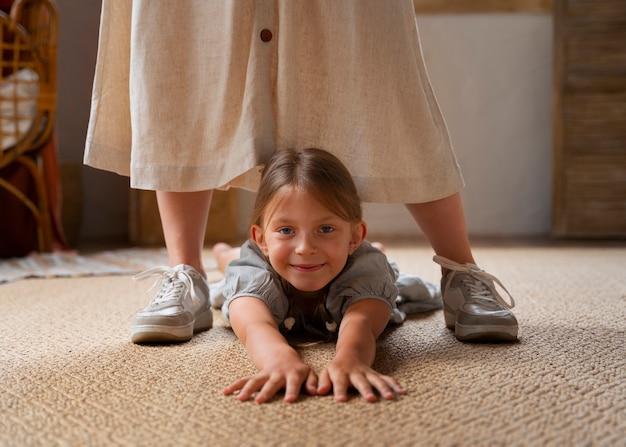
491,72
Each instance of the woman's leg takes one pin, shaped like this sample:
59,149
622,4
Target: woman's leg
443,223
181,305
472,306
184,217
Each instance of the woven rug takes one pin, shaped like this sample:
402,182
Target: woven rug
70,376
69,264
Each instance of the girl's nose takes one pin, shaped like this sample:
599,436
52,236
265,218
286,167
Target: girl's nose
306,245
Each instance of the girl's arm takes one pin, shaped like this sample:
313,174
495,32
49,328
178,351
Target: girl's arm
360,326
279,365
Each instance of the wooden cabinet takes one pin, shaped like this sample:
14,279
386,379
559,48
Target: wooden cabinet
589,118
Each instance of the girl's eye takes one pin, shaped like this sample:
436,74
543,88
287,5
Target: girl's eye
285,231
327,229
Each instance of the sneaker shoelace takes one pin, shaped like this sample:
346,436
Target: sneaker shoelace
174,284
482,286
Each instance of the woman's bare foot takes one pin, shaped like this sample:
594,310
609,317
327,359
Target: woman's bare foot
379,245
223,254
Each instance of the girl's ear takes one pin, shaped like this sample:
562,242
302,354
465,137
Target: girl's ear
259,238
359,231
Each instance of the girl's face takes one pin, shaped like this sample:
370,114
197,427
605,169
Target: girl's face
306,243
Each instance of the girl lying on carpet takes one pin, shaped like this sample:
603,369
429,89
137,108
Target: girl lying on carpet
308,267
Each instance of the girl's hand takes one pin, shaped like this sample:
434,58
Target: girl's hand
341,374
362,323
278,375
280,366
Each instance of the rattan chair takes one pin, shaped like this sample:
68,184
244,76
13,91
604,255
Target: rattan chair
28,37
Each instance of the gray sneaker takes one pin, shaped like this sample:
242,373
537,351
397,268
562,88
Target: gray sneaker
472,307
180,308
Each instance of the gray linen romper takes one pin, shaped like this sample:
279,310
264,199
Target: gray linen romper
368,274
197,94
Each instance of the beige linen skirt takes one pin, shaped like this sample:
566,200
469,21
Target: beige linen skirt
196,94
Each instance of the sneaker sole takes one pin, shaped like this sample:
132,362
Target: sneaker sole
450,319
154,333
486,333
483,333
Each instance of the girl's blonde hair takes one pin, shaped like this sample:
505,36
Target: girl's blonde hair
315,171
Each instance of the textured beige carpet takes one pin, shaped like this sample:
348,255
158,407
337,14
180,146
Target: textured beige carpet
70,376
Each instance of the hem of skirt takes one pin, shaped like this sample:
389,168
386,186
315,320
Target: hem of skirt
395,190
116,161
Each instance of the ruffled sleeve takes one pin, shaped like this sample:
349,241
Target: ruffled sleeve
251,275
368,274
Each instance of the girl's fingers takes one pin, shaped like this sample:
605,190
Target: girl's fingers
386,386
364,386
292,388
367,384
324,384
266,387
311,383
395,386
270,388
246,387
252,385
340,387
235,386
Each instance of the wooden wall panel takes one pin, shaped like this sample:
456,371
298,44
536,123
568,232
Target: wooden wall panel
590,119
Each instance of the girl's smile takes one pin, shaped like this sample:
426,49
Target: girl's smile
308,268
